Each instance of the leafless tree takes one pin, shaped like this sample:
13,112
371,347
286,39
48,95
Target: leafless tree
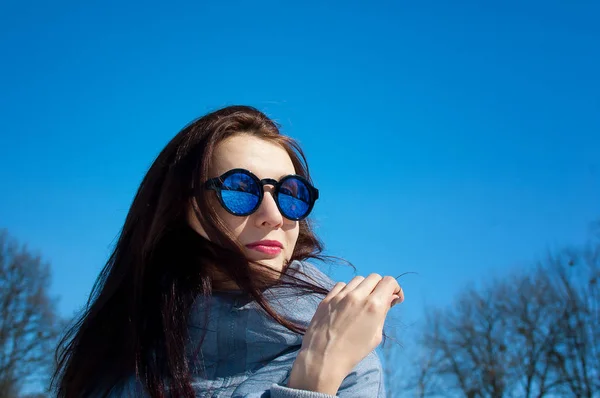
29,324
577,354
534,333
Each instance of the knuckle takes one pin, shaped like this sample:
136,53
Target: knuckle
375,276
373,304
389,279
339,285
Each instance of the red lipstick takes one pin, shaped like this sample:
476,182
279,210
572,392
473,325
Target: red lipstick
269,247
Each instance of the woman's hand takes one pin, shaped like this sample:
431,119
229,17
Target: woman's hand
347,326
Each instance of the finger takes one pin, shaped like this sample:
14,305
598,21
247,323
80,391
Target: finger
365,288
352,284
335,290
387,288
398,298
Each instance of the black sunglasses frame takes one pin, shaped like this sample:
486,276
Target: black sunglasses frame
216,184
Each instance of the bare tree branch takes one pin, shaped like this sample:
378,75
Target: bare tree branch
535,333
29,325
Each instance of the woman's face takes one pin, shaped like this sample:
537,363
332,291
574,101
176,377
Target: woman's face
265,160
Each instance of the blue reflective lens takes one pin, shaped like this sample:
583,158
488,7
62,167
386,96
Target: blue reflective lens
240,193
294,198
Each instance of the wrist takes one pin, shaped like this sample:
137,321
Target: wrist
311,373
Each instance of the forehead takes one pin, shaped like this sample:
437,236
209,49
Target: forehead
264,158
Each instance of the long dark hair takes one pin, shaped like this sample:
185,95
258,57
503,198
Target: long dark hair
135,322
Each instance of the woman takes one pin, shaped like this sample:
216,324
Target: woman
208,293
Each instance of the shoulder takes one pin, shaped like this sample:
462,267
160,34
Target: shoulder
309,272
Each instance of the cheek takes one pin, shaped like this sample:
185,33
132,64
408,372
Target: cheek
235,224
292,238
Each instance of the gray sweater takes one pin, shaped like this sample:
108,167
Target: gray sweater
247,354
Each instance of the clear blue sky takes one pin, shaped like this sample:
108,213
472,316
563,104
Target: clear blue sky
455,139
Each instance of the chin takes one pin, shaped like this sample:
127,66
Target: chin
276,264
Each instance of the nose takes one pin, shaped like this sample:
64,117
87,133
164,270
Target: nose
268,214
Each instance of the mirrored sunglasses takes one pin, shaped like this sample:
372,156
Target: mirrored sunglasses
240,193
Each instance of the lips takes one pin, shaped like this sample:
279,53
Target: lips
268,247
